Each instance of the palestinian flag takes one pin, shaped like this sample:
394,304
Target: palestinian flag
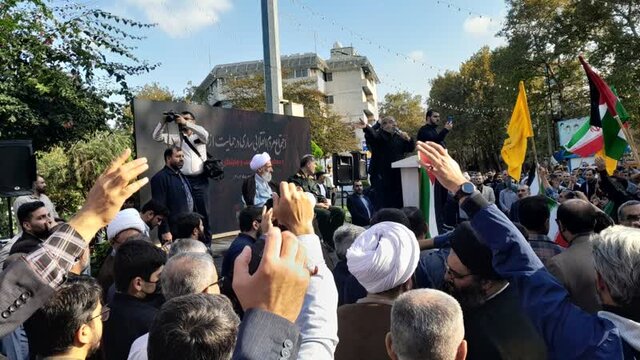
603,100
427,201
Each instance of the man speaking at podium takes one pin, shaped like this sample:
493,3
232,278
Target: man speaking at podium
387,144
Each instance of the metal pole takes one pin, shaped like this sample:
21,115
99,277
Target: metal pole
271,45
546,67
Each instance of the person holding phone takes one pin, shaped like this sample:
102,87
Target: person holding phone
429,132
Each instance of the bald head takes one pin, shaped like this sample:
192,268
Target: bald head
189,273
577,216
426,324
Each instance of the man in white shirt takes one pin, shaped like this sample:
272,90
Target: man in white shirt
39,194
192,139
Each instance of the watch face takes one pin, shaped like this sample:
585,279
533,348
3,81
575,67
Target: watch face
467,188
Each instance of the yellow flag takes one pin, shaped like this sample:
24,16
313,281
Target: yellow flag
514,149
610,163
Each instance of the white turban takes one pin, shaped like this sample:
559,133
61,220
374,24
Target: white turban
259,160
125,219
384,256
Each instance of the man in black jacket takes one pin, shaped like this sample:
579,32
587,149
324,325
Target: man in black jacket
429,132
171,189
387,145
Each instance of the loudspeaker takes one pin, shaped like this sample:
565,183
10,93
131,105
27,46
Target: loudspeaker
342,169
359,165
19,169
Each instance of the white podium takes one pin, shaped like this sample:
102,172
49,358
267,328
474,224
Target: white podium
410,180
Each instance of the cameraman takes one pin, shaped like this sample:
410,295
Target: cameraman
193,163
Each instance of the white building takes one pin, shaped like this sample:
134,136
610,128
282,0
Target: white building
347,80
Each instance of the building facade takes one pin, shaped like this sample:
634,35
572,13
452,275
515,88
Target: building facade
347,80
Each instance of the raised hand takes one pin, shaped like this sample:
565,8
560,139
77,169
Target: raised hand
281,280
108,194
294,209
436,159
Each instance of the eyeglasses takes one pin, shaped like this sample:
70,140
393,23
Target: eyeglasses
455,274
220,280
104,315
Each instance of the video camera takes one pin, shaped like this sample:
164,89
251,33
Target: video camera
170,116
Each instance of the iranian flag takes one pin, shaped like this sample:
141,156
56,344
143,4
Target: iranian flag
427,201
586,141
554,232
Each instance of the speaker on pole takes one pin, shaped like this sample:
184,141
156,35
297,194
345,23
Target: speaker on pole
342,169
19,171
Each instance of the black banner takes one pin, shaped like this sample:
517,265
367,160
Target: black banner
234,137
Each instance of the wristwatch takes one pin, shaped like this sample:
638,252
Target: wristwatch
466,189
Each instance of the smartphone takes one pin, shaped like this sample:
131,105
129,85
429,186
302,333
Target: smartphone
450,119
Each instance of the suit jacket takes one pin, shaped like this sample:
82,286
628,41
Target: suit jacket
265,336
129,319
574,268
358,210
362,328
168,189
589,189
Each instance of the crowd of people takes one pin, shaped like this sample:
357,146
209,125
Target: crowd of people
301,282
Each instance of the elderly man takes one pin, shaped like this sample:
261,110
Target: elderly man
523,192
569,332
257,189
349,289
629,214
383,259
184,274
495,326
426,324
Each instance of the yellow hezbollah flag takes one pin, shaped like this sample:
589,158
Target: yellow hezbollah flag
515,146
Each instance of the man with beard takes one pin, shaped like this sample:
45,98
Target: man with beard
189,226
249,221
36,224
171,189
137,268
495,325
39,194
590,184
388,144
257,189
69,325
486,191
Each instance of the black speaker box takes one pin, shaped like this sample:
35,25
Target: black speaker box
19,168
342,169
359,165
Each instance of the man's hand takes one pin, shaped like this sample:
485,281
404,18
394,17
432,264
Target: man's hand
180,120
448,125
281,281
600,163
361,124
542,171
166,238
107,195
436,159
267,220
404,135
294,209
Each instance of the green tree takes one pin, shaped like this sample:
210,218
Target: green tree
56,62
406,109
328,130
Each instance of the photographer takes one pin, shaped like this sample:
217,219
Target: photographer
192,139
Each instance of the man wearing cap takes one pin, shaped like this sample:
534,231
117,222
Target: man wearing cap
257,189
495,325
382,259
329,217
125,225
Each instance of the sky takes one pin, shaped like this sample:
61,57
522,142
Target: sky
408,42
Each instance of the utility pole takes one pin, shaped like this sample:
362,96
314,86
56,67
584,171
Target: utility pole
271,45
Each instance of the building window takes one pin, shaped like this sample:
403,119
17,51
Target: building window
328,76
328,99
299,73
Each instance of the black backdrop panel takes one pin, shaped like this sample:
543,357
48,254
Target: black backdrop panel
234,137
19,172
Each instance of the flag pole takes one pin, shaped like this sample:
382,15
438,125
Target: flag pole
535,152
630,140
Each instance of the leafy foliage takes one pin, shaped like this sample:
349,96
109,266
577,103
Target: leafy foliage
57,62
